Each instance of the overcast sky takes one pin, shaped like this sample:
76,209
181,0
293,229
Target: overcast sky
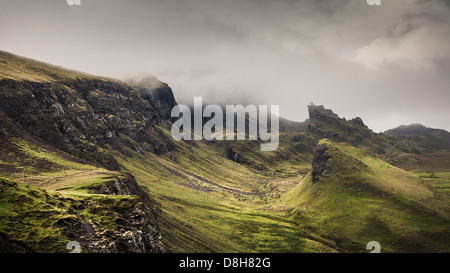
388,64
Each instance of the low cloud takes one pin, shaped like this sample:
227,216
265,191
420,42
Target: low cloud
375,62
417,42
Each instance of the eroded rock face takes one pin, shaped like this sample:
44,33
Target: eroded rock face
8,245
317,112
87,117
319,162
100,224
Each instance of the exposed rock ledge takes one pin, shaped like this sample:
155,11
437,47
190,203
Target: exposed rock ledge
319,162
139,232
100,224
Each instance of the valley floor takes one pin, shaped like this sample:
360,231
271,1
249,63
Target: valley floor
210,204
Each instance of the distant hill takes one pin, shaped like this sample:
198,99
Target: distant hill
416,130
438,136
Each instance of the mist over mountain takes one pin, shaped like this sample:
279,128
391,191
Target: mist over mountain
387,64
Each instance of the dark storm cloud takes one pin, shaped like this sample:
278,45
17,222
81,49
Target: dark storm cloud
387,64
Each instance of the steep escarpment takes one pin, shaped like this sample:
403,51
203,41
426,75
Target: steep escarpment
59,127
124,184
319,164
55,124
84,115
353,198
324,123
34,220
408,147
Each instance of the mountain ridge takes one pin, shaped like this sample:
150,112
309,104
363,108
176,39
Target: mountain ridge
415,129
81,115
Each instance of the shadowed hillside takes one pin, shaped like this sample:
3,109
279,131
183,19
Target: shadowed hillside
357,198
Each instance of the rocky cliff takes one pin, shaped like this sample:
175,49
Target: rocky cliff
319,166
92,119
100,224
85,115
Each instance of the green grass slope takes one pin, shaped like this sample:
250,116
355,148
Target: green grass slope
211,196
41,221
358,198
49,198
209,203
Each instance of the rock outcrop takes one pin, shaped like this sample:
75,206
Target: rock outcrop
8,245
317,112
319,162
86,117
100,224
137,232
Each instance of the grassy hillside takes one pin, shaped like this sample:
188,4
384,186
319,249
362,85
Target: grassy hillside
209,203
59,199
23,69
360,198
